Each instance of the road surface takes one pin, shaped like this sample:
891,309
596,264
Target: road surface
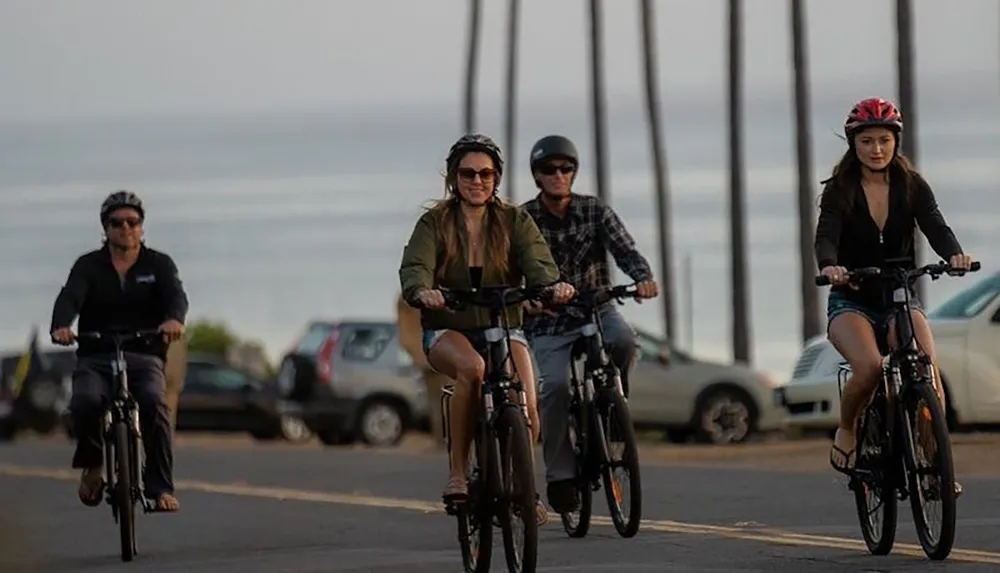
249,508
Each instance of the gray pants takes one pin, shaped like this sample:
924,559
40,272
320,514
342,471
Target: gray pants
92,383
552,359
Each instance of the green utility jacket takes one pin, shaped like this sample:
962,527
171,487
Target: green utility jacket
529,259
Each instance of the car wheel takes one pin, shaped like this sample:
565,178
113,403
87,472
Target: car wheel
725,417
381,424
294,430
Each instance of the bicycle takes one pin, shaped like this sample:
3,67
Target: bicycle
123,454
887,460
503,450
598,413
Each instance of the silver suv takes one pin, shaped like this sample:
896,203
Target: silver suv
353,380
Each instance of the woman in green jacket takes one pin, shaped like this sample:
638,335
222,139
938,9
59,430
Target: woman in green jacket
471,237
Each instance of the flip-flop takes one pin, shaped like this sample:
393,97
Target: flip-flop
163,501
847,468
91,492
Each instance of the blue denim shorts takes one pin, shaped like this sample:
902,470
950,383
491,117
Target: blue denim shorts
475,337
837,303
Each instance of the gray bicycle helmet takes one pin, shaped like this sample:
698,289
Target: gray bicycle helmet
120,199
553,147
474,142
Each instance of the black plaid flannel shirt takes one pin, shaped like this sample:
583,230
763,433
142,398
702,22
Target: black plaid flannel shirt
579,243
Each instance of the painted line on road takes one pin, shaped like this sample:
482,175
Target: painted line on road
760,534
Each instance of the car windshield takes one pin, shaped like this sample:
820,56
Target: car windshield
969,302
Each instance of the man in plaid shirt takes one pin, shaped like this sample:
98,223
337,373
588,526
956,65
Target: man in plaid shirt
580,231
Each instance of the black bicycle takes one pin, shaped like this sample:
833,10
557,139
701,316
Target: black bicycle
123,453
902,447
599,419
501,478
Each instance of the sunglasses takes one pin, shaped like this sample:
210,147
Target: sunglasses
469,174
549,169
119,222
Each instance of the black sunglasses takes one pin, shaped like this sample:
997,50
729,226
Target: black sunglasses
469,174
549,169
119,222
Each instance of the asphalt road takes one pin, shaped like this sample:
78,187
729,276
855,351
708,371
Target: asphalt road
270,509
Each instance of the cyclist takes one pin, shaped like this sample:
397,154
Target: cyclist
868,210
472,237
580,230
122,285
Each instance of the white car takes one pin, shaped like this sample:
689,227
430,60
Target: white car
966,331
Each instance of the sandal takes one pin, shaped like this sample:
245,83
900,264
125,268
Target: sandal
847,468
91,488
457,489
167,503
541,513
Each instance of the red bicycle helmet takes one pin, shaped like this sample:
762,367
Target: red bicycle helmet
872,112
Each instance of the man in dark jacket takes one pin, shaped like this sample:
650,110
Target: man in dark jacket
127,286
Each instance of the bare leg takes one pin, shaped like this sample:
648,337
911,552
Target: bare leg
454,356
853,336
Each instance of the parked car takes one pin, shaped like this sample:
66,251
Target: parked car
966,331
353,380
219,397
687,397
35,402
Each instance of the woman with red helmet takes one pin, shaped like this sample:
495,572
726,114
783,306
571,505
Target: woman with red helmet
869,208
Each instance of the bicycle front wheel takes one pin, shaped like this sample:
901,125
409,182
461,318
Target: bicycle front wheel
623,453
475,517
123,490
931,472
874,491
517,507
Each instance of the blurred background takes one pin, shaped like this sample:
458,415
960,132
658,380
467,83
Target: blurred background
284,150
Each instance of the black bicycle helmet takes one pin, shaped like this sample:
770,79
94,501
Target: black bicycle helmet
553,147
474,142
120,199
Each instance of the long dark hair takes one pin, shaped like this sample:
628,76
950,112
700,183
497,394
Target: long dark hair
841,189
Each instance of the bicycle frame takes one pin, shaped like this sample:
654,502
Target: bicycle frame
494,395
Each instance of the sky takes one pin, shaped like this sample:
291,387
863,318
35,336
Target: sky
72,59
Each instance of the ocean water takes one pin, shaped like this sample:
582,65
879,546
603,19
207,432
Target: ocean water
279,218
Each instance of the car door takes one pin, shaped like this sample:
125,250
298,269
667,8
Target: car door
654,392
983,360
214,397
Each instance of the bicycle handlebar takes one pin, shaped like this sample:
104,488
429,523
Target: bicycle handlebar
900,275
120,335
494,297
593,298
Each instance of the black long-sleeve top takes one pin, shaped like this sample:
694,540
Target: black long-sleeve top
847,236
150,294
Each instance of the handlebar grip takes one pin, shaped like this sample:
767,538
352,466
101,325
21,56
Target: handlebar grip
974,266
822,280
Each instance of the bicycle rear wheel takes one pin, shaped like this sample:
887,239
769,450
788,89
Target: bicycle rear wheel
577,524
517,498
619,437
929,443
874,493
123,489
